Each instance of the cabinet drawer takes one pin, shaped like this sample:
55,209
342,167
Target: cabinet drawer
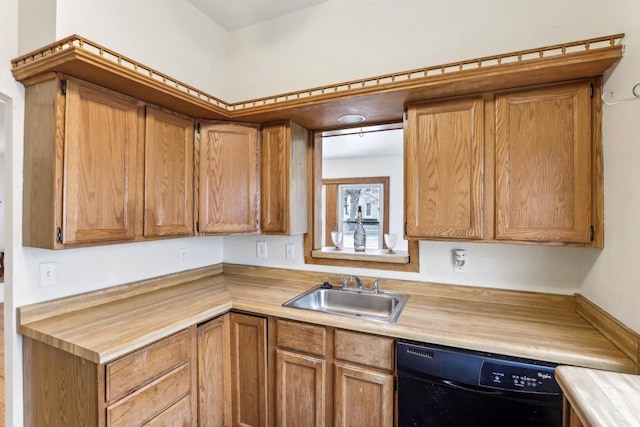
368,350
152,400
302,337
143,366
179,415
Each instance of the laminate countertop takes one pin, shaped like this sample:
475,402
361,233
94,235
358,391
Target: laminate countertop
601,398
108,324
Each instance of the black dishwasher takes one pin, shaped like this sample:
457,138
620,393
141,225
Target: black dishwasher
446,387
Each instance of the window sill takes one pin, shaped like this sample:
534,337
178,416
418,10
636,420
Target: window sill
372,255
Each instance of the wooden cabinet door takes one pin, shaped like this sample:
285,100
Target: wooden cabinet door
100,160
168,179
284,179
248,370
214,373
301,390
444,144
543,164
228,190
363,397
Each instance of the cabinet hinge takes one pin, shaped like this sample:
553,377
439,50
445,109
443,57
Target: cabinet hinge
59,235
198,128
63,87
198,226
592,233
593,91
406,227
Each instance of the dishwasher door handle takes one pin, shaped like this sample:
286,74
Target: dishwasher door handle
471,389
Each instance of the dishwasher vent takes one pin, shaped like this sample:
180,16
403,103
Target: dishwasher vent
421,353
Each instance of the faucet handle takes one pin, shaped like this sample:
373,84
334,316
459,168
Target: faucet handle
345,282
375,286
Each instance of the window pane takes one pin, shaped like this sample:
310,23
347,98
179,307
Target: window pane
369,198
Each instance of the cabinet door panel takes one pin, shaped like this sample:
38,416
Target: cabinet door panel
443,160
363,397
543,163
101,140
301,390
228,179
249,370
168,196
214,373
275,178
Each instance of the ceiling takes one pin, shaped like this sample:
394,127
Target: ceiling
236,14
371,144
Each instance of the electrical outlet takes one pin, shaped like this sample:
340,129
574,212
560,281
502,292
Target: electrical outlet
291,251
183,255
459,260
261,249
48,274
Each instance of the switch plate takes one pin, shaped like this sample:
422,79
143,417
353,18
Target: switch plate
291,251
261,249
48,274
183,255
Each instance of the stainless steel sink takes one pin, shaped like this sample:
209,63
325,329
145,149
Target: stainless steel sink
356,303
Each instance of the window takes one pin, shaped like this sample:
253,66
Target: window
370,198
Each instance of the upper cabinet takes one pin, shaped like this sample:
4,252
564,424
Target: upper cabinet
80,160
168,180
284,179
444,146
99,170
228,186
518,166
543,165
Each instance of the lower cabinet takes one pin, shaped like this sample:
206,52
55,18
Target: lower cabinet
153,386
332,377
232,371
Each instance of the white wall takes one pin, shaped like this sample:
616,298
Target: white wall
337,41
172,36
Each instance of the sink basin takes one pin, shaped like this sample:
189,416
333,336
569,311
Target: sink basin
359,304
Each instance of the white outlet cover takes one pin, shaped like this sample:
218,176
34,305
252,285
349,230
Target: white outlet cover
261,249
183,255
291,251
48,274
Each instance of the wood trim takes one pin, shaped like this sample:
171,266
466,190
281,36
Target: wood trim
34,312
332,184
615,331
88,60
312,239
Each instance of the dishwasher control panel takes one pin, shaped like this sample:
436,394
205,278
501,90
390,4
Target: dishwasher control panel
532,379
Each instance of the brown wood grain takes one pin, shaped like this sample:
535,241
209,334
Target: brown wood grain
178,415
249,370
380,103
525,324
301,390
368,350
362,397
600,398
214,373
168,181
543,164
229,195
152,400
141,367
275,165
302,337
444,151
100,157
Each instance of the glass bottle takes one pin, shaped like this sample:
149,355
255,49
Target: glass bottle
359,236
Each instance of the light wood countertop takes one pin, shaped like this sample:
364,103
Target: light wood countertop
601,398
538,326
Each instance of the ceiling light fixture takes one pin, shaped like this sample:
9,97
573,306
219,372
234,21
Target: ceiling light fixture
351,118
